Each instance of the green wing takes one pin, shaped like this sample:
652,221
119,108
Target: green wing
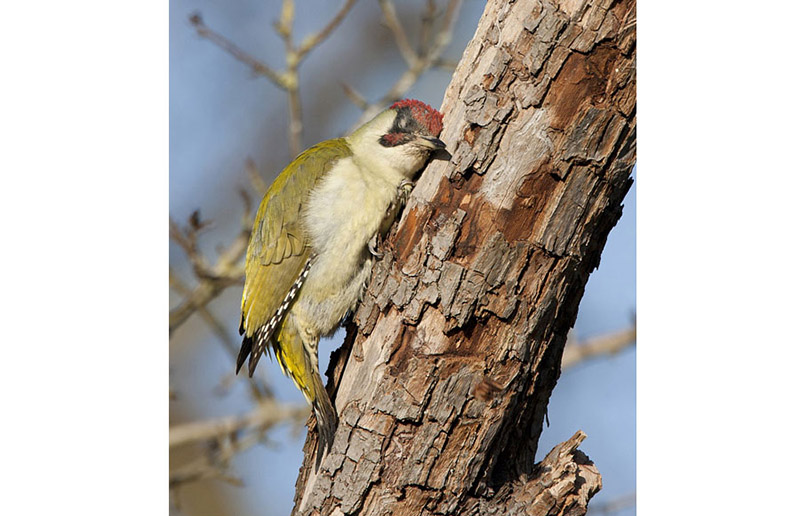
279,247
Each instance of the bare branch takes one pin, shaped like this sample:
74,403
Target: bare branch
258,184
258,388
228,437
199,472
179,286
420,66
187,240
287,80
267,414
295,119
226,272
354,96
214,465
294,55
604,345
313,40
259,67
284,25
445,64
445,34
400,37
428,17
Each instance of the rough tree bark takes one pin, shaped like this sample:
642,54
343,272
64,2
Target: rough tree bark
443,381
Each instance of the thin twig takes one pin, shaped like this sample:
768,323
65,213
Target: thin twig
430,56
258,184
226,441
445,64
259,67
187,240
258,388
215,464
315,39
287,80
295,121
399,33
604,345
428,17
213,280
294,55
445,34
354,96
285,27
266,415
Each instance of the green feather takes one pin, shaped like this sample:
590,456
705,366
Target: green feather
279,246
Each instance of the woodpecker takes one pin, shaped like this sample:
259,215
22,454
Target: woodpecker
314,239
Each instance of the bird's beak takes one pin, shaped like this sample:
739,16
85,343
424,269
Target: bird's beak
431,142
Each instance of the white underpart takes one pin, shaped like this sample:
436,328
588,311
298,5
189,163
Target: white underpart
342,214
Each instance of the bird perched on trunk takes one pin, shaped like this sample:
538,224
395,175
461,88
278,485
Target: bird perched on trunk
314,237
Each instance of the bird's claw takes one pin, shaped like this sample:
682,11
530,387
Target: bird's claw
404,190
373,247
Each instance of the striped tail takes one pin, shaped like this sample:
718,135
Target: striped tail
255,345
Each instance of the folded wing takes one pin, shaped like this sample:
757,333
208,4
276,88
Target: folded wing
279,253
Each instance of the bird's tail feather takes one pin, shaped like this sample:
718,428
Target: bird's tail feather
244,352
295,361
326,420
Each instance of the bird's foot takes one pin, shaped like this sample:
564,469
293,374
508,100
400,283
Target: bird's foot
373,247
404,191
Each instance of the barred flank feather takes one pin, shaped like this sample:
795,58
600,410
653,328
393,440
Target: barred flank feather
262,336
295,361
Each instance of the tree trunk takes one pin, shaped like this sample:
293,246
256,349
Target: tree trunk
443,381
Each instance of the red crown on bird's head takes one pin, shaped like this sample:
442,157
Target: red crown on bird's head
423,113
